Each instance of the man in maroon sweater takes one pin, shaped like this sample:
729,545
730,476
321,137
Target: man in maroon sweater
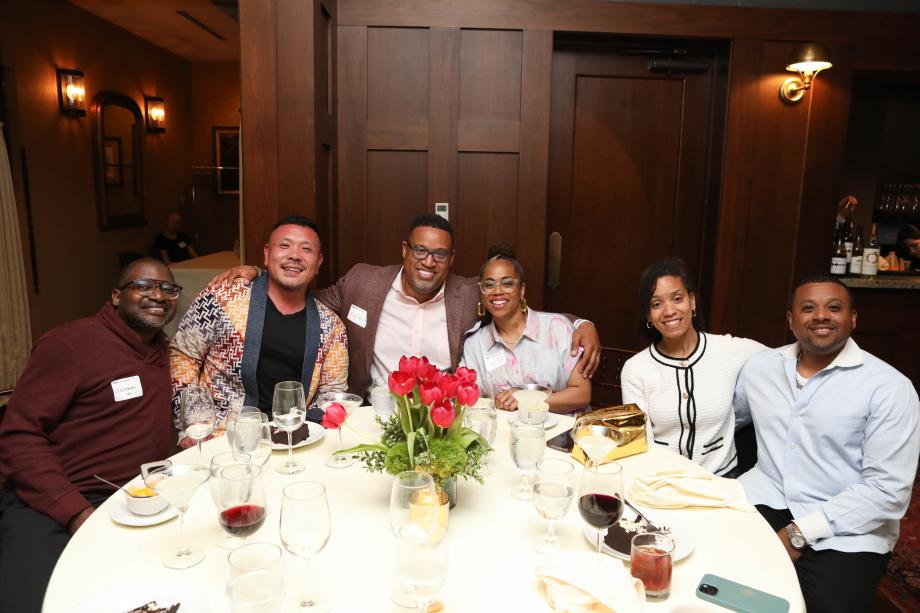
94,398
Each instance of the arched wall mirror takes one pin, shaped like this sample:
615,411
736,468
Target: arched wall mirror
118,160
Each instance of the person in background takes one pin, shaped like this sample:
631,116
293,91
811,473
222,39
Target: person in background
173,245
908,245
93,399
837,444
518,344
240,340
685,379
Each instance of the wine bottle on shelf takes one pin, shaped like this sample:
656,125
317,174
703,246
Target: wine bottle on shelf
857,258
848,238
839,255
871,254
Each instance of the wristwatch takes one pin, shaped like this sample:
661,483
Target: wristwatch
796,538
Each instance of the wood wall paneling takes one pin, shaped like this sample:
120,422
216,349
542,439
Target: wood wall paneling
397,187
443,97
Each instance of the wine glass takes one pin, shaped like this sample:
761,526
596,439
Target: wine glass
199,415
412,499
249,434
483,420
350,402
422,562
289,408
219,462
553,492
305,526
527,445
596,440
241,500
600,497
255,578
177,483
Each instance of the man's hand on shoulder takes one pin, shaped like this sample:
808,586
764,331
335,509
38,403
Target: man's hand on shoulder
79,518
586,337
246,273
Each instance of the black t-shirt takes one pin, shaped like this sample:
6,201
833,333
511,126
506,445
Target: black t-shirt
177,249
281,355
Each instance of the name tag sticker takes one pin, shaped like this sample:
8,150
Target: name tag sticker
357,315
127,388
495,359
181,244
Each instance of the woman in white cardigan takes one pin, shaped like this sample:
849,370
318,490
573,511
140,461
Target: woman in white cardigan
685,379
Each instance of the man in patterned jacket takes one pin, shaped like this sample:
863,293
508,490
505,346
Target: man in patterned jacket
240,340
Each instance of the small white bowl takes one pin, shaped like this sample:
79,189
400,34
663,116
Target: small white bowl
145,505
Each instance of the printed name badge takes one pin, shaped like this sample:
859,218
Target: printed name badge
495,359
127,388
357,315
181,244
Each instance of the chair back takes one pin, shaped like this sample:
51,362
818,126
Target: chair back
605,385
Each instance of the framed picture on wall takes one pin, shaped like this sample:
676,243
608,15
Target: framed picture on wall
227,160
112,164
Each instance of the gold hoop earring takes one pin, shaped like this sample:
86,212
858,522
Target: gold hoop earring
480,310
524,305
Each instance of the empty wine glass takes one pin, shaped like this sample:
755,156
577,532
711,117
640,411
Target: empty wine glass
596,440
422,562
218,463
199,415
350,402
412,499
600,497
255,579
177,483
305,527
249,433
553,492
483,420
289,408
527,445
241,500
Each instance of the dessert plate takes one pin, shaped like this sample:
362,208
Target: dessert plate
317,432
616,543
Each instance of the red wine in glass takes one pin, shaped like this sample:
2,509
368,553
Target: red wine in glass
600,510
243,520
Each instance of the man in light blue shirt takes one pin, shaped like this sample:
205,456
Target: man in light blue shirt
837,447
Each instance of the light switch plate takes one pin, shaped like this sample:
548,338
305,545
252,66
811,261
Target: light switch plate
441,208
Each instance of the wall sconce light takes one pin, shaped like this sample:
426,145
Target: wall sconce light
71,93
808,60
155,109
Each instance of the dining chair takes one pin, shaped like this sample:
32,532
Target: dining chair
605,385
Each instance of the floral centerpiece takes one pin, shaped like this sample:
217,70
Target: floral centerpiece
426,433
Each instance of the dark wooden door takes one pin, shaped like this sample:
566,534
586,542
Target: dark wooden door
633,174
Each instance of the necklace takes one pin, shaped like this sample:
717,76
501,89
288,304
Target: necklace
800,381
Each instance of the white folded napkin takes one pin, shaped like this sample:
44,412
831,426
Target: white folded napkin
676,490
585,582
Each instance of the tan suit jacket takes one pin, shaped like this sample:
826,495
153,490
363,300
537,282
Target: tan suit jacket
366,287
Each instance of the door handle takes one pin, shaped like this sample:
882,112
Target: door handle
554,263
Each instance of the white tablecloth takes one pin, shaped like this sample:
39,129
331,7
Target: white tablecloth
193,275
492,560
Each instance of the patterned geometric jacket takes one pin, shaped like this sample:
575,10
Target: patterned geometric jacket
219,339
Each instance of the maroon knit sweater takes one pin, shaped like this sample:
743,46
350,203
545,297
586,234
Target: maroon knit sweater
62,423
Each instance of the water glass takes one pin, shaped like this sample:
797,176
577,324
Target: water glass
422,563
289,408
305,528
651,561
255,579
218,463
249,434
553,492
527,446
413,498
199,415
383,403
483,420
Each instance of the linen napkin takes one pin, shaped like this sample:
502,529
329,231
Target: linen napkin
585,582
677,490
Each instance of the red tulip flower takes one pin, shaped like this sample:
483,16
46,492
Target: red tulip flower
401,383
442,414
468,394
334,417
448,384
425,370
408,365
466,375
430,393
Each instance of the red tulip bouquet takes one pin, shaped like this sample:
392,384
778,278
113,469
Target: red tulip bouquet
427,431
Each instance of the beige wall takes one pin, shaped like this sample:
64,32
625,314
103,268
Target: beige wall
76,261
215,102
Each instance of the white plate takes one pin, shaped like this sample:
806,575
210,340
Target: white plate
550,421
684,539
317,432
119,598
120,514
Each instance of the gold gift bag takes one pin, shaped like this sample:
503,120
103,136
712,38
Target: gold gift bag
629,423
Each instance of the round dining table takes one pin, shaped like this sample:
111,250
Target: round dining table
492,560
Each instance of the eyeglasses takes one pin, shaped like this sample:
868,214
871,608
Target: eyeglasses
145,287
421,253
505,286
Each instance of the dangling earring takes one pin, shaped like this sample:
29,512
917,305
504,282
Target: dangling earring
648,325
480,310
693,314
524,305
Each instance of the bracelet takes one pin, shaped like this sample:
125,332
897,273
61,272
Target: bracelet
579,322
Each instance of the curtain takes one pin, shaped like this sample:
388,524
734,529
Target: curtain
15,332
